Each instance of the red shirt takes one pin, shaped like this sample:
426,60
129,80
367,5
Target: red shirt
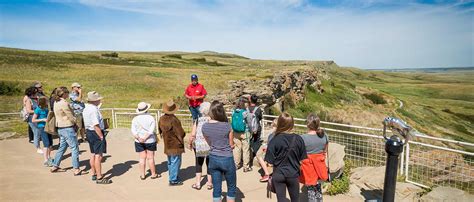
197,90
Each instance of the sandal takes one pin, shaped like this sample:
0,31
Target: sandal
196,187
142,177
247,170
209,187
94,177
57,169
81,172
103,181
156,176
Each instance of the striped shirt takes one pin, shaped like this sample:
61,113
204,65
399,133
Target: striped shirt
217,135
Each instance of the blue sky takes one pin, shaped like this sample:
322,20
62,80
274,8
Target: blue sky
365,33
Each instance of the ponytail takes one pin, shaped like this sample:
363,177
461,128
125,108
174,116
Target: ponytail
313,122
60,93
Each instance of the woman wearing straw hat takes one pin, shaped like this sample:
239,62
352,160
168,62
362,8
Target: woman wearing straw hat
173,136
143,130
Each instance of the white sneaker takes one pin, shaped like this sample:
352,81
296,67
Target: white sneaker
39,151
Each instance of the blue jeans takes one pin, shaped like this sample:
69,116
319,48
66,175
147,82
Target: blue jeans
218,166
67,137
36,134
174,164
46,138
195,113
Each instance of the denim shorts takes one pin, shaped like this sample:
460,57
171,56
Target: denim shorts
139,147
46,138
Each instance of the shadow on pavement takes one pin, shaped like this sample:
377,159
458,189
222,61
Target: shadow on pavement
371,194
162,167
238,196
87,165
119,169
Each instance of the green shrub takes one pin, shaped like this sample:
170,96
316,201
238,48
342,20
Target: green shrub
10,88
341,185
112,55
177,56
200,60
375,98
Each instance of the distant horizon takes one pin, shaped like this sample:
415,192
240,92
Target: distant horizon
162,51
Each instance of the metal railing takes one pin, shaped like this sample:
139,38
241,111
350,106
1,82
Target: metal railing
426,161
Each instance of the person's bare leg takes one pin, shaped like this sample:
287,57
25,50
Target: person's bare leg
209,180
92,164
48,152
263,165
98,166
141,163
198,179
45,154
150,157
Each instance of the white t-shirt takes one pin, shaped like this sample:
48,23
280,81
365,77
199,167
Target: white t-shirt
92,117
143,124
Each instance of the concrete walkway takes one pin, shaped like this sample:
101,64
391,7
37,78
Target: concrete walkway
23,177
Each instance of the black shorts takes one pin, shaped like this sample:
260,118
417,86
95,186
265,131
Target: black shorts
139,147
96,145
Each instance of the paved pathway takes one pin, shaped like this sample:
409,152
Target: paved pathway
23,177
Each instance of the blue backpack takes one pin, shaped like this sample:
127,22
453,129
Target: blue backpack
238,121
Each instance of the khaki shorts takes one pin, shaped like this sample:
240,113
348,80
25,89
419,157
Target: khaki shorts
79,121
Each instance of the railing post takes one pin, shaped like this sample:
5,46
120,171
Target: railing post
113,119
262,124
407,160
156,120
402,159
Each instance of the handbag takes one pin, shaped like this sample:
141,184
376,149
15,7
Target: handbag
24,114
200,144
50,126
270,185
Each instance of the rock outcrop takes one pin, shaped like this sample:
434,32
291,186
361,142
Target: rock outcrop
336,156
447,194
273,90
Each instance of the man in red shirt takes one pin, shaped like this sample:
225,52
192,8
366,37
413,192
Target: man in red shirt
195,93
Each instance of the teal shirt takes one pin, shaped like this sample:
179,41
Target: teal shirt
41,114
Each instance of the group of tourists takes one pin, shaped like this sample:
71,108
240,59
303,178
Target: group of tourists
64,113
287,159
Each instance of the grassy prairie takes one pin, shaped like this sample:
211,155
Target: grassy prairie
440,103
436,103
133,77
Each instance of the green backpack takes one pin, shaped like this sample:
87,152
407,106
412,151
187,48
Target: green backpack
238,121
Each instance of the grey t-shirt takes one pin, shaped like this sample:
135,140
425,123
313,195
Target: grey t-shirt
314,144
217,135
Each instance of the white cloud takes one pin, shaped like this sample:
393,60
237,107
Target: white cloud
410,36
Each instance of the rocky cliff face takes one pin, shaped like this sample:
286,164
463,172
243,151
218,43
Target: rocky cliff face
272,91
